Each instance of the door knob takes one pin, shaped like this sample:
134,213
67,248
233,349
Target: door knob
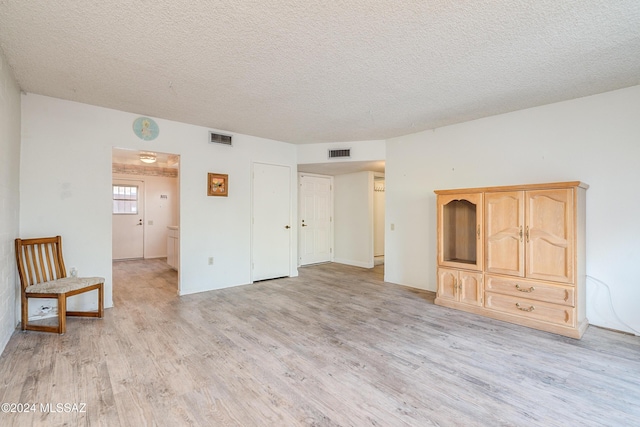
304,225
287,227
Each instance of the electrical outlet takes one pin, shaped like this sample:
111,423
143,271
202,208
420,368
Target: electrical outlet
210,260
393,227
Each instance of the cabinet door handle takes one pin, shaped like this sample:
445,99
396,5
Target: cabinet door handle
527,234
531,308
478,231
520,234
531,289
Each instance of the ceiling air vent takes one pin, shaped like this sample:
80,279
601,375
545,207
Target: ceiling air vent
218,138
343,152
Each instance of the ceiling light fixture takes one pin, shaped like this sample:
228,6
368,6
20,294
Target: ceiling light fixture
148,157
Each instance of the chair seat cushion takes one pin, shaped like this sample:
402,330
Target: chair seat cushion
66,284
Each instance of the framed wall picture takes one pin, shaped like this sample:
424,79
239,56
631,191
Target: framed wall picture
218,184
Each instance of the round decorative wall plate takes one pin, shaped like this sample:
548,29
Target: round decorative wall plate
145,128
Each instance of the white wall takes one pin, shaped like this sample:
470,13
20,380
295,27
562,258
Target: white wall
594,139
162,212
353,219
9,200
65,185
360,151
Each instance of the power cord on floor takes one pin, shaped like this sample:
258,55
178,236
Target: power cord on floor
613,310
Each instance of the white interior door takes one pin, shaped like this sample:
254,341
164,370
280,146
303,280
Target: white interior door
315,219
271,237
128,219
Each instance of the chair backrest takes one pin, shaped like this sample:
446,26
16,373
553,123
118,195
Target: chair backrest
39,260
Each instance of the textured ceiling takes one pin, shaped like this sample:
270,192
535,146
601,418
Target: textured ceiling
305,71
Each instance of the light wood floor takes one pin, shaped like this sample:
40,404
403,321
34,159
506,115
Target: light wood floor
335,346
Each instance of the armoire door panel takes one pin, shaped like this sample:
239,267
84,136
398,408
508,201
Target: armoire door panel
504,231
470,287
447,283
549,235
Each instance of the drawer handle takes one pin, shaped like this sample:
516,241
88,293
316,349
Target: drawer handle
531,289
525,309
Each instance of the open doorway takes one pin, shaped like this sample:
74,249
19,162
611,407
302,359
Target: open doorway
357,211
378,219
146,208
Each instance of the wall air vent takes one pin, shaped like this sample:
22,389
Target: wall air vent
218,138
343,152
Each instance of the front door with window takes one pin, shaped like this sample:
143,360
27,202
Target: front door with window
128,219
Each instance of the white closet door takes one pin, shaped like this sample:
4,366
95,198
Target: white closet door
272,226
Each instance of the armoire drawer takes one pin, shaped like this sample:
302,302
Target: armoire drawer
556,294
531,309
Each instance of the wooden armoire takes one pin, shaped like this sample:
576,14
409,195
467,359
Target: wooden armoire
515,253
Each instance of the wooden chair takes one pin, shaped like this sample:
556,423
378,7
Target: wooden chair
43,275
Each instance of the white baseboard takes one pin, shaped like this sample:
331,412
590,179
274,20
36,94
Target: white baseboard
354,263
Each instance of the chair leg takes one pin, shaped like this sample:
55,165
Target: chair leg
62,314
101,301
25,312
